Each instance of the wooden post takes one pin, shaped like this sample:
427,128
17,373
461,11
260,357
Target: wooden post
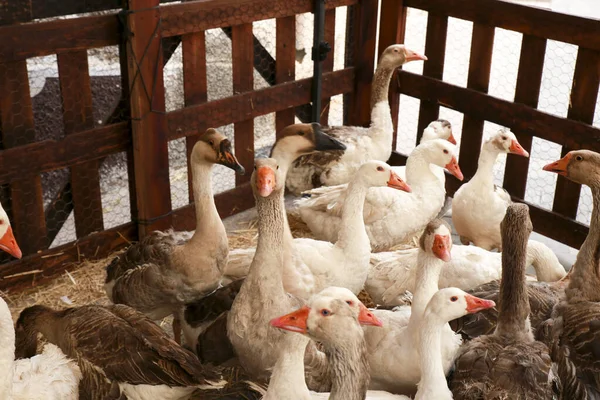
76,94
435,49
584,93
285,65
243,81
392,30
194,85
529,81
482,45
147,98
365,32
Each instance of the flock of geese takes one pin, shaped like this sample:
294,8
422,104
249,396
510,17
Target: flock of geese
282,321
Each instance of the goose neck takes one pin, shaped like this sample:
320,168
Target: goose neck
430,353
513,307
287,379
381,85
417,169
7,350
428,272
353,232
485,165
207,216
585,278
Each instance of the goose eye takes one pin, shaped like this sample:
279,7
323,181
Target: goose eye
579,158
504,138
379,168
350,302
1,221
325,312
453,298
211,142
301,133
255,167
278,167
445,151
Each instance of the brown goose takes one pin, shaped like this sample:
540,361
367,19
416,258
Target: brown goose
121,353
508,364
168,269
574,330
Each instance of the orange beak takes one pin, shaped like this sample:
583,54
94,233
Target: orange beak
454,169
294,321
475,304
9,244
366,317
516,148
451,139
265,181
397,183
441,247
560,166
414,56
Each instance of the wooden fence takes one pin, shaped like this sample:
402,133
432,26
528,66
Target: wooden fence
142,30
521,116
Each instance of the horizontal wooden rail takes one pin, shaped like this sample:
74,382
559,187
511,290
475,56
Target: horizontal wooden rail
525,19
76,148
519,117
241,107
18,275
193,16
545,222
22,41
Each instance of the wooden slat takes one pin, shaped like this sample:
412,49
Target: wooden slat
517,117
581,108
243,81
178,19
285,67
482,45
97,246
18,42
76,93
392,29
16,113
148,123
435,49
47,9
365,25
521,18
190,120
194,86
529,81
545,222
329,37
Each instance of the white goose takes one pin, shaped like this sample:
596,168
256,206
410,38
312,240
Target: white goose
479,206
335,324
373,143
393,273
384,209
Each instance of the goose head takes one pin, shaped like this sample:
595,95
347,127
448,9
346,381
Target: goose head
442,153
506,142
581,166
437,239
214,147
364,315
452,303
397,55
8,242
439,129
267,177
299,139
377,173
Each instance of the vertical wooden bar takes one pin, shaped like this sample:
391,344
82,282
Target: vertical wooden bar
195,86
529,82
285,64
392,29
76,92
242,48
581,108
329,37
365,32
150,152
482,46
16,112
435,49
